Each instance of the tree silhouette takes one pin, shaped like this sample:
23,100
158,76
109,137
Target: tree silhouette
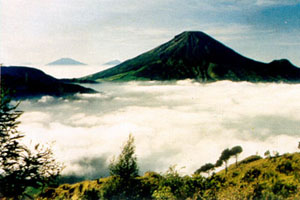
235,151
205,168
225,155
219,163
267,154
21,167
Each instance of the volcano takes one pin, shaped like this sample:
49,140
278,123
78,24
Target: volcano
196,55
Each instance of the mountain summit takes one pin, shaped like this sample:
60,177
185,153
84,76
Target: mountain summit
196,55
66,61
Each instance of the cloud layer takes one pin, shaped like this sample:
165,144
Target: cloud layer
184,123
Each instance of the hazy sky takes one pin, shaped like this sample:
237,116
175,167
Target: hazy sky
95,31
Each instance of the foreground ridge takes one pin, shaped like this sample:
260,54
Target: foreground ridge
273,177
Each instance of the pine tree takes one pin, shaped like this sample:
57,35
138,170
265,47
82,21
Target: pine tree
126,164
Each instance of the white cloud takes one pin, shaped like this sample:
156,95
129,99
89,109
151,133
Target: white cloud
184,123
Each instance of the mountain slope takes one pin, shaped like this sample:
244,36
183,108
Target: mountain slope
66,61
195,55
274,177
253,178
30,82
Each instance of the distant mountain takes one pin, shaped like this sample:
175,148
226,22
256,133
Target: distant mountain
112,62
31,82
195,55
66,61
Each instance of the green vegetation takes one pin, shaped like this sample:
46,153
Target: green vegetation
275,177
235,151
126,164
22,170
224,158
206,168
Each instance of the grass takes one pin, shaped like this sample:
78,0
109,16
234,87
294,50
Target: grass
275,177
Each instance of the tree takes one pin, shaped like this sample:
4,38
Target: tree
235,151
267,154
225,155
219,163
126,164
20,167
205,168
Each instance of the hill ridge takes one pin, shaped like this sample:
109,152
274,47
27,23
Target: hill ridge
30,82
272,177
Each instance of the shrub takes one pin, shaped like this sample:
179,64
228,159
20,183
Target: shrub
164,193
284,189
251,175
91,194
285,167
251,159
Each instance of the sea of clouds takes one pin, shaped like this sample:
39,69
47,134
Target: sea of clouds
71,71
181,123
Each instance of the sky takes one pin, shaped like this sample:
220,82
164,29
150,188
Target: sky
96,31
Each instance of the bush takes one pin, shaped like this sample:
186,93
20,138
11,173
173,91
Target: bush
164,193
123,183
179,187
91,194
117,188
148,184
285,167
251,175
251,159
173,181
284,189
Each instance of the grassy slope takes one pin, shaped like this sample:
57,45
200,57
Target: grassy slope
278,176
275,177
